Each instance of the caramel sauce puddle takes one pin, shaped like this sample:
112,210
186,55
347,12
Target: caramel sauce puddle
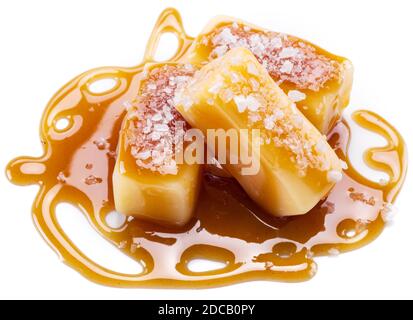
228,227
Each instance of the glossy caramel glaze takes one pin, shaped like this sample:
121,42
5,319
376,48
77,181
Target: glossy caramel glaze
228,227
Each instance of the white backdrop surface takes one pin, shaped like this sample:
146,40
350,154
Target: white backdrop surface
43,44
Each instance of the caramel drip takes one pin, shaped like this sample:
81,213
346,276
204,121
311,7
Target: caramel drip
77,167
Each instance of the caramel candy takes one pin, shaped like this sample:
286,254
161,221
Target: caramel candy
147,180
318,81
297,165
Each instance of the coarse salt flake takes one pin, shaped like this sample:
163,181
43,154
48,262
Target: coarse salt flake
161,127
220,51
269,122
296,95
278,114
144,155
287,67
276,43
214,89
252,69
151,86
252,103
186,102
241,103
343,164
157,117
334,176
288,52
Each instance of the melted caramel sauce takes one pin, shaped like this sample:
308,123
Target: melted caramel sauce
228,227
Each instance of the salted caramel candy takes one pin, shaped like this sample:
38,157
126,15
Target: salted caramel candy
147,180
297,165
318,81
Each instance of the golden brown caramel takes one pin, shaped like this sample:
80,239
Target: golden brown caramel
147,183
295,158
325,79
77,167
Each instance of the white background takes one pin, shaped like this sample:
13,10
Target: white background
43,44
